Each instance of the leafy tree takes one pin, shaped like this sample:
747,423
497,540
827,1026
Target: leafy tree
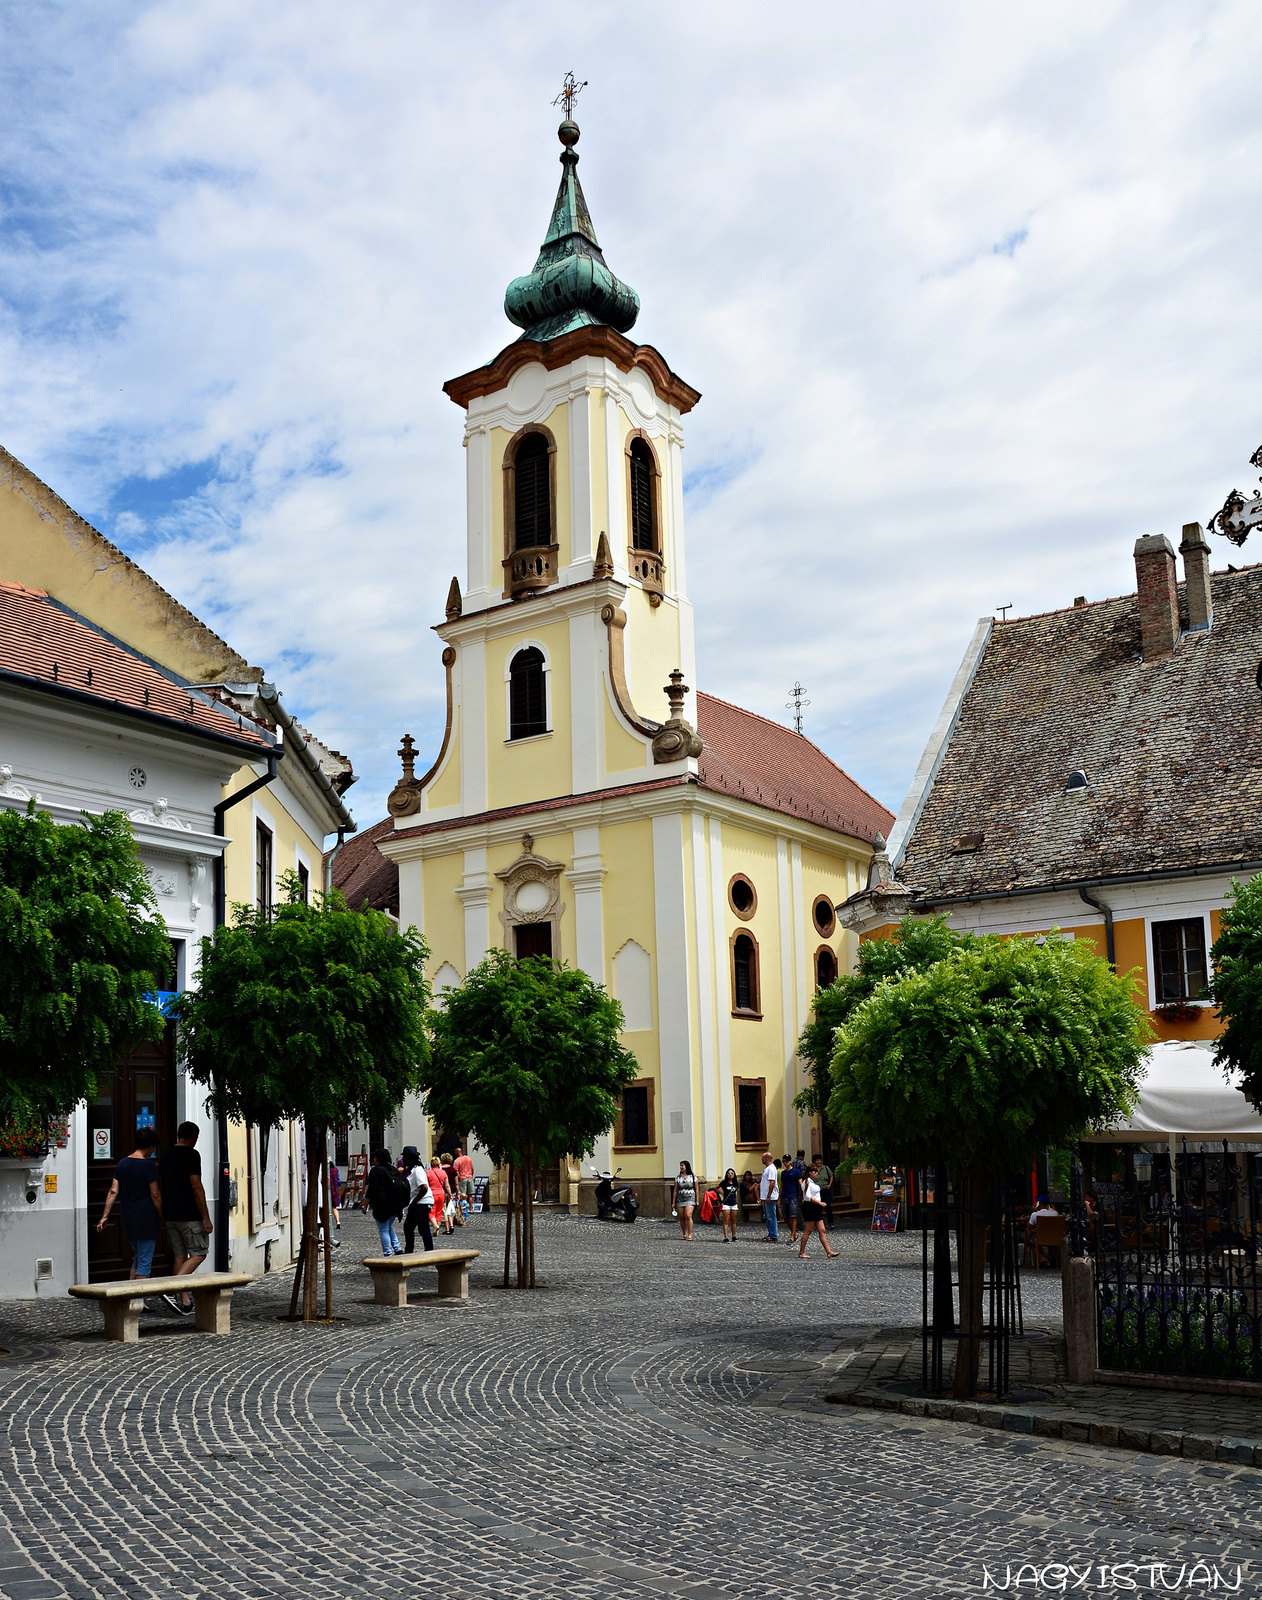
527,1055
988,1056
81,945
1236,985
310,1011
917,944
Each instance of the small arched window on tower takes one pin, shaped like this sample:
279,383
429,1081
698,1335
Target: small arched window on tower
744,977
532,508
527,695
644,555
825,968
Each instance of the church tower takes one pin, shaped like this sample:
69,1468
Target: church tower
585,803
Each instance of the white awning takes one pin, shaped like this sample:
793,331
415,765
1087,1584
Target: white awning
1184,1093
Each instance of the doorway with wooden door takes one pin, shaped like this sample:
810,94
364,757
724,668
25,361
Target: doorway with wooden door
138,1094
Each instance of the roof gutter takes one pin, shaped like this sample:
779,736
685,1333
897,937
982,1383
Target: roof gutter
270,696
251,748
1107,913
931,902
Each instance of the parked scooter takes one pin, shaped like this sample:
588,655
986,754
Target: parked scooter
614,1205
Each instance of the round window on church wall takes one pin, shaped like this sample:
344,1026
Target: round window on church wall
825,916
742,897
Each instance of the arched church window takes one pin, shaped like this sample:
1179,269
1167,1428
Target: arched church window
643,531
744,976
527,695
532,524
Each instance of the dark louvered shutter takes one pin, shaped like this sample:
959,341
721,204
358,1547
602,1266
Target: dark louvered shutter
744,960
533,511
527,698
641,497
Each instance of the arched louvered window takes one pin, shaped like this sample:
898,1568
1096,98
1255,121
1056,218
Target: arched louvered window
825,969
643,533
744,973
532,510
527,695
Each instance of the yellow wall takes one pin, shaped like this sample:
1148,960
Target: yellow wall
442,912
527,768
445,789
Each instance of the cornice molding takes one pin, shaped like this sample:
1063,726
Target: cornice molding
569,347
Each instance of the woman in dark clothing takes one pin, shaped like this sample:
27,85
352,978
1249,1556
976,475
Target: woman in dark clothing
417,1214
730,1200
382,1202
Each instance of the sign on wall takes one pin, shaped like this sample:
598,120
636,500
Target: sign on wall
100,1144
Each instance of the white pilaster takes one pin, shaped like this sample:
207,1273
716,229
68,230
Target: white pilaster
705,986
722,985
784,886
480,585
587,695
587,876
801,984
475,895
673,456
412,895
582,544
674,1023
615,468
471,699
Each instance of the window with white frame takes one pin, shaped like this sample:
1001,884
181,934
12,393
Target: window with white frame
1178,959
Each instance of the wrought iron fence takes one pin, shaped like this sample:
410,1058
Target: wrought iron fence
975,1219
1176,1258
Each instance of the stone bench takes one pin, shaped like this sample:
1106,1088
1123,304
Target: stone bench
390,1274
121,1302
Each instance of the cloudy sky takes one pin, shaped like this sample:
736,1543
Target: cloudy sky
971,291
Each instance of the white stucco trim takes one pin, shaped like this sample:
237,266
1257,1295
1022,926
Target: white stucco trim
939,740
674,1019
528,644
705,982
722,980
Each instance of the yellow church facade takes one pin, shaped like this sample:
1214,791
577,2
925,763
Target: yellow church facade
586,803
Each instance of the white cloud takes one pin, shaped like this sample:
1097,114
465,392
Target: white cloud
971,293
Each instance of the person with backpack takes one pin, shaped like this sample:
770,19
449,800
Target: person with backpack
388,1195
421,1200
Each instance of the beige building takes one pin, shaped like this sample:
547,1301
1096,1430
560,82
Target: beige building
585,802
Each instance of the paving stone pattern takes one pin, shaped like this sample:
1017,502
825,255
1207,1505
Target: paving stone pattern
647,1423
880,1368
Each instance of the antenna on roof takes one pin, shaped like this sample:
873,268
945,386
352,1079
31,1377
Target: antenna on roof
1005,610
795,705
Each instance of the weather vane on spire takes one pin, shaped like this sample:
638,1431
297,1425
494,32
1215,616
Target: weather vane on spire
570,91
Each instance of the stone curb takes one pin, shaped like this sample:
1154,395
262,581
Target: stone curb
1042,1425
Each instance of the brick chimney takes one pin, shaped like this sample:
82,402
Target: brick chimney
1195,553
1158,597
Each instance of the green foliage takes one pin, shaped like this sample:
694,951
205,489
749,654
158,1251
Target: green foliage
315,1011
81,945
919,942
993,1054
527,1055
1237,985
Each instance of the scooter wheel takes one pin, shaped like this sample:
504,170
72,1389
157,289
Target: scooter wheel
629,1216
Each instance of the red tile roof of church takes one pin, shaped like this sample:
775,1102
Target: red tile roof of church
58,651
754,759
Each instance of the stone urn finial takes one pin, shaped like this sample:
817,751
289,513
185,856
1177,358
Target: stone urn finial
404,800
677,738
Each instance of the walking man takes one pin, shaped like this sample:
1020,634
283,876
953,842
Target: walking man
135,1189
463,1166
769,1193
184,1209
791,1197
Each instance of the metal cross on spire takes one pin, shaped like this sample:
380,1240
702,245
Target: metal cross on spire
570,91
795,705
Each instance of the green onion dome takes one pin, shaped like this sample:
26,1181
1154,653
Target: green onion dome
570,287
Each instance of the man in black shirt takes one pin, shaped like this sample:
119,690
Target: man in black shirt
184,1208
135,1189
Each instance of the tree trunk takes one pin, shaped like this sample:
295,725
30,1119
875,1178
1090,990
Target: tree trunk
298,1273
328,1224
517,1225
310,1288
508,1221
943,1293
972,1252
530,1223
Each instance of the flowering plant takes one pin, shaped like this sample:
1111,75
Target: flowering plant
1178,1011
32,1136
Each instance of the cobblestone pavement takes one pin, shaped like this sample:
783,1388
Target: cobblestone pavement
622,1432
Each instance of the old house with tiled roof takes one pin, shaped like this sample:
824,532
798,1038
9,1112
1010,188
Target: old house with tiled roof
116,696
584,803
1098,770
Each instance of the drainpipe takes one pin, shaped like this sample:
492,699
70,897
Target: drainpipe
1107,913
331,858
221,916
